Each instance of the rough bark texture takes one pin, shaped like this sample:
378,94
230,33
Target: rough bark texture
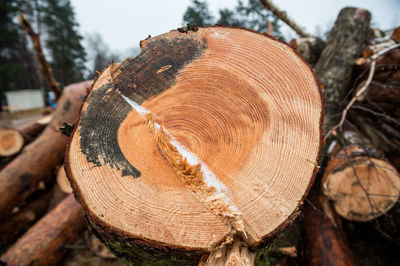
16,224
43,243
381,134
388,225
21,176
334,67
325,241
310,48
57,196
31,131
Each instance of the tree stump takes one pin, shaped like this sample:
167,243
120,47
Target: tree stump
205,143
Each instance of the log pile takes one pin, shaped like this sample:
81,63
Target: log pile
202,151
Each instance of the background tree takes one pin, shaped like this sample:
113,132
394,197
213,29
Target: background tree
198,13
17,67
250,14
99,55
253,15
63,41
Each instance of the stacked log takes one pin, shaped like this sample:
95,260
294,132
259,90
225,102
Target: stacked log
21,176
19,223
132,129
13,140
362,184
44,243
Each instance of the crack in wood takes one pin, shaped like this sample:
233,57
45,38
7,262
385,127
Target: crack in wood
194,174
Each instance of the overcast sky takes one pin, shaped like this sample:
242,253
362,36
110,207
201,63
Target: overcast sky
123,23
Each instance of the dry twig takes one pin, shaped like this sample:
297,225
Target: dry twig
284,17
363,89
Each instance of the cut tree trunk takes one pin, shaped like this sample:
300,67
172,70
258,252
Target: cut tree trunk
359,181
325,240
13,140
381,135
334,66
57,196
17,224
31,131
200,143
21,176
44,243
310,48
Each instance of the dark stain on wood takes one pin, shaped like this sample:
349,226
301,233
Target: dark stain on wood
99,130
106,108
67,105
25,182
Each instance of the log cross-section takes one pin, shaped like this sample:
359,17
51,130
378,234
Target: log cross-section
206,141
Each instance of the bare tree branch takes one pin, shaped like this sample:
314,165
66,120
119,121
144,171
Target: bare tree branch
44,65
285,18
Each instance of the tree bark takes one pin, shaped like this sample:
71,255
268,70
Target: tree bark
310,48
381,135
31,131
44,243
21,176
17,224
235,254
334,66
325,240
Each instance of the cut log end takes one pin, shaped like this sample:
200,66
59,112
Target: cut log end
359,181
63,182
209,141
364,189
11,142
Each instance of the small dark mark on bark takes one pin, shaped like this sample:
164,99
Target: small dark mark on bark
191,27
67,129
26,182
67,105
